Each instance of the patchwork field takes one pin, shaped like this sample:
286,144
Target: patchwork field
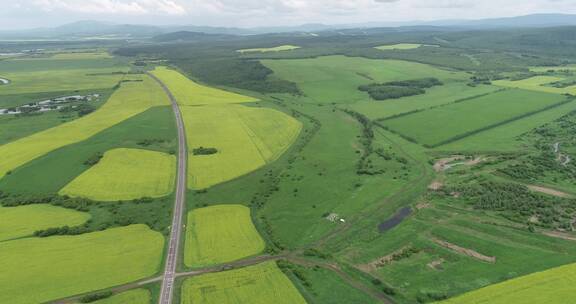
246,139
136,296
554,286
335,79
51,172
125,174
537,83
260,284
71,265
16,222
435,126
130,99
272,49
220,234
190,93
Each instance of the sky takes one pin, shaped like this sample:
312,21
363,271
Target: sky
17,14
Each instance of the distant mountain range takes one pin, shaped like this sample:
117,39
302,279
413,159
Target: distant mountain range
104,30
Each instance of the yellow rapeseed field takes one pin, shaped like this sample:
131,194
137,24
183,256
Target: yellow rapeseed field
21,221
260,284
190,93
220,234
37,270
554,286
246,139
125,174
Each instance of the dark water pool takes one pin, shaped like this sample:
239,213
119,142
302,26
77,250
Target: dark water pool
395,220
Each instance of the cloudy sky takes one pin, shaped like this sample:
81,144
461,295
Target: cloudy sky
248,13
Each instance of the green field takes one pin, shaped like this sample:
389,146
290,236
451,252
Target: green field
271,49
505,138
554,286
190,93
125,174
131,99
136,296
434,126
35,75
16,222
335,79
60,266
260,284
435,96
537,83
246,139
220,234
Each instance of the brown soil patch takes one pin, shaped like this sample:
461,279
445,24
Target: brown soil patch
465,251
435,186
423,205
436,264
550,191
440,164
381,261
560,235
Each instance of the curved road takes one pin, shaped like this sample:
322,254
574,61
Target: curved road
180,199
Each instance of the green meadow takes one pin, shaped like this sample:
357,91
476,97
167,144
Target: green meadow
335,79
136,296
438,125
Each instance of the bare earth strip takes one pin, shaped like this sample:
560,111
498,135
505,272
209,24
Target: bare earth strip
469,252
550,191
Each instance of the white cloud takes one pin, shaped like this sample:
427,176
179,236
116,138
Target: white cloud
129,7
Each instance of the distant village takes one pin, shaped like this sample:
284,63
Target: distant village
50,104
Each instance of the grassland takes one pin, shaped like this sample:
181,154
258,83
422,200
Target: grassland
399,46
552,286
129,100
36,270
271,49
16,222
436,96
82,55
190,93
505,138
260,284
335,79
434,126
220,234
246,138
125,174
136,296
36,75
537,83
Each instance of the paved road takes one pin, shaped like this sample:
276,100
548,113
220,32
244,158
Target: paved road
175,234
